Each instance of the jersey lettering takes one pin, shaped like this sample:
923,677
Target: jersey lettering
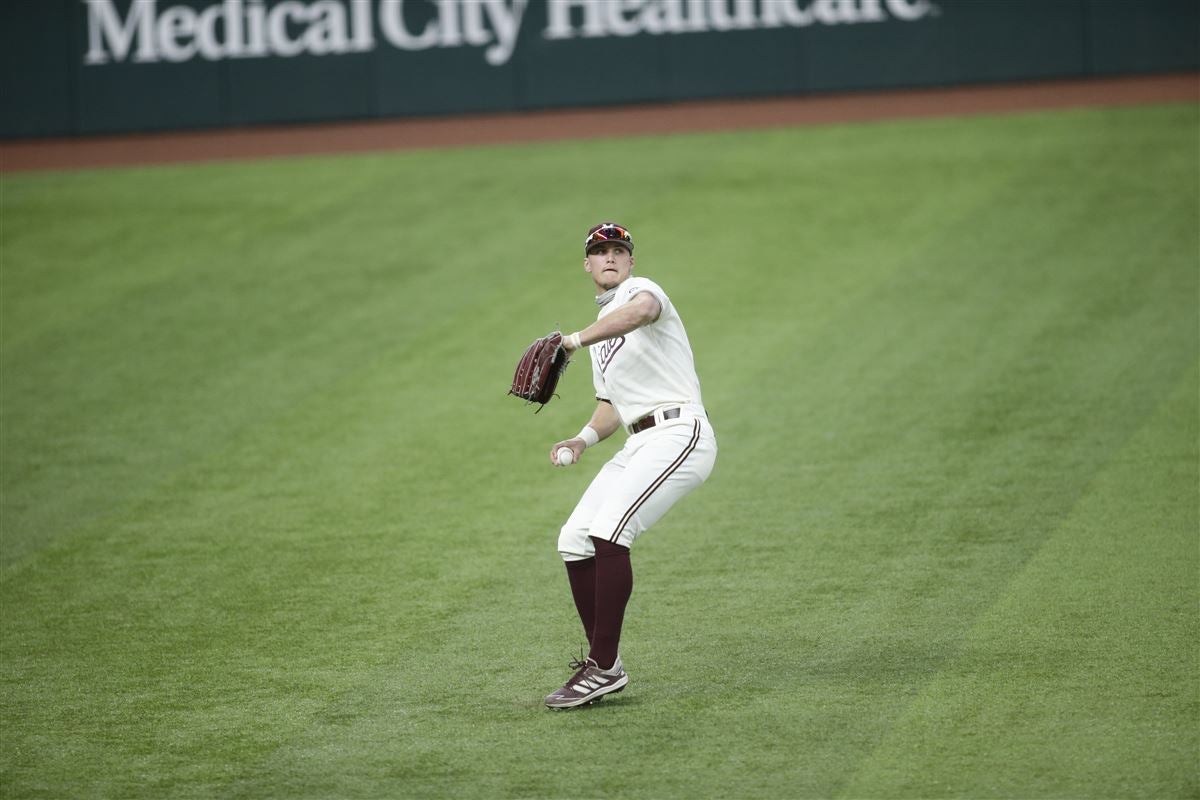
606,350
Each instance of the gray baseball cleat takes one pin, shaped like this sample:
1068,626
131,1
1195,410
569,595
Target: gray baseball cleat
589,684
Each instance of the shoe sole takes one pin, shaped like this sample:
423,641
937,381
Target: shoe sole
592,698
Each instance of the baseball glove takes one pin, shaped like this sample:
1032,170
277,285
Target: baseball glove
539,369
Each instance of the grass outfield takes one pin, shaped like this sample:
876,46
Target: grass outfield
272,529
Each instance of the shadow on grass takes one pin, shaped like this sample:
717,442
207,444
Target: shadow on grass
608,703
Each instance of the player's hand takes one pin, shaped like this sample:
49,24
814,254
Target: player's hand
576,446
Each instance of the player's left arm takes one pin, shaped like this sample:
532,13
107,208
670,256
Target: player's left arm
604,422
642,309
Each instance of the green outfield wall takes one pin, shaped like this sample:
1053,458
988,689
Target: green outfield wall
105,66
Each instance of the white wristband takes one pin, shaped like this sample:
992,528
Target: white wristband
573,340
589,436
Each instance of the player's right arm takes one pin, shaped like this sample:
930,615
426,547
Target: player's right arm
643,309
604,422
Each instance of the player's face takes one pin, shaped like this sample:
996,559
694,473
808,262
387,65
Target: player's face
609,264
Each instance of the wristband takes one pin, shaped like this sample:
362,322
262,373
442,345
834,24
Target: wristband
589,436
573,340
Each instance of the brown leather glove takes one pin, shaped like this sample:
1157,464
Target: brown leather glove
539,369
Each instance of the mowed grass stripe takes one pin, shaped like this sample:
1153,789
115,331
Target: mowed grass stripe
1095,635
324,597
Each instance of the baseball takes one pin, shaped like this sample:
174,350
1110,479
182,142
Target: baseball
565,457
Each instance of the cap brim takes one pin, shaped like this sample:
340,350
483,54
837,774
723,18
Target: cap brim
627,245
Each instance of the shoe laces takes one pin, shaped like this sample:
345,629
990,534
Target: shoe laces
578,665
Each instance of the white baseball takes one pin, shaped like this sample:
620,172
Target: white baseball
565,456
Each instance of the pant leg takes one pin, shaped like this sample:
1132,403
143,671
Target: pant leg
660,470
573,541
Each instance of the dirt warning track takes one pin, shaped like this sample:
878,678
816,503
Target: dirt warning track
466,130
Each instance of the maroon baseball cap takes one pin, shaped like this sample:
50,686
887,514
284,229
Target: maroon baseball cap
607,232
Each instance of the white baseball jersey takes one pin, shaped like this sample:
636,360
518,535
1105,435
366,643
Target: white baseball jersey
644,371
649,368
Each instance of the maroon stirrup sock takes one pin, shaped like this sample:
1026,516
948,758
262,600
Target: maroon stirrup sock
582,576
614,584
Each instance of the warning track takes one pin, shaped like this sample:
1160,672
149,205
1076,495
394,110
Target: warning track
467,130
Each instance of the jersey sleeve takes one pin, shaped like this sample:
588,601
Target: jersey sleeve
635,286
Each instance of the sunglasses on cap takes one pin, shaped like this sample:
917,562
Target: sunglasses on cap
608,233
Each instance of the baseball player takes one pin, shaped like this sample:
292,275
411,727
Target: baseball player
645,380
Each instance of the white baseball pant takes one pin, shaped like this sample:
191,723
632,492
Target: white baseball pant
652,472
